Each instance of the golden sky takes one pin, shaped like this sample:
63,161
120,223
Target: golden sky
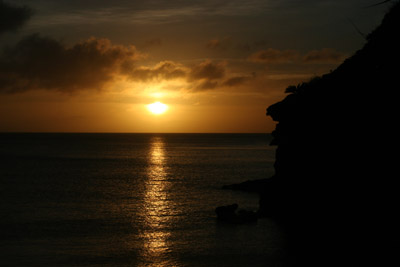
95,65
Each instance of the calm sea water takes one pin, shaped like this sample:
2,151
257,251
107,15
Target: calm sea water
131,200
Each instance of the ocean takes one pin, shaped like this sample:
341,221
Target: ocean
132,200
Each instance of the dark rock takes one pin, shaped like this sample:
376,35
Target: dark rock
253,186
334,189
226,212
229,214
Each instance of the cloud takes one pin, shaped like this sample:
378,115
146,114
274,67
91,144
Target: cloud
38,62
219,44
205,86
153,42
150,11
325,55
236,81
205,75
13,17
274,56
227,43
207,70
165,70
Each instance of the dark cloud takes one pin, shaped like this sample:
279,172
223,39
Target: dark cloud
219,44
38,62
274,56
326,55
206,75
132,6
165,70
153,42
13,17
207,70
205,86
227,43
128,5
244,47
260,43
236,81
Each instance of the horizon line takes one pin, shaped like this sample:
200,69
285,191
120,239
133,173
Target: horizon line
26,132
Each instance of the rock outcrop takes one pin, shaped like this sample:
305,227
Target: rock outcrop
334,186
231,214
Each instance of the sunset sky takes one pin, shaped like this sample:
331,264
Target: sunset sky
95,65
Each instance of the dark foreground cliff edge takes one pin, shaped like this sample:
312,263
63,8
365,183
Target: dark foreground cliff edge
334,188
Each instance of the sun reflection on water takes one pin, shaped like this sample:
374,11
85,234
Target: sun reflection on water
156,208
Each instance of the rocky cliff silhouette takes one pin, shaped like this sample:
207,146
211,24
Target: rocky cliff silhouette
334,187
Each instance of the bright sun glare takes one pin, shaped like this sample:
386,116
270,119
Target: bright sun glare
157,108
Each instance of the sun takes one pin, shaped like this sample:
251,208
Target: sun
157,108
